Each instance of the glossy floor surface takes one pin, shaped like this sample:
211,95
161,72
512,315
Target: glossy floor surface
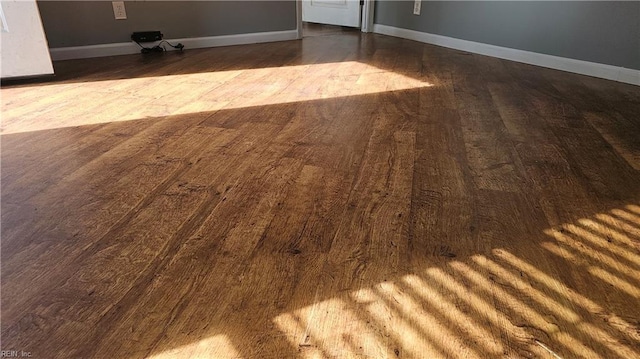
341,196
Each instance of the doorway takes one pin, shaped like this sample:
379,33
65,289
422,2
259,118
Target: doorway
326,17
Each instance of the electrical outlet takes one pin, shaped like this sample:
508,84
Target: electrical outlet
118,10
416,7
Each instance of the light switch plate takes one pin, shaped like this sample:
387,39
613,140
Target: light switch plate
416,7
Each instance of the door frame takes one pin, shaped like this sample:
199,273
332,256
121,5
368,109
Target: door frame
366,22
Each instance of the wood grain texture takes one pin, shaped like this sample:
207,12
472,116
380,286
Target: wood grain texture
346,195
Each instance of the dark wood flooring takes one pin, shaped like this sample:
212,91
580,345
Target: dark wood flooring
348,195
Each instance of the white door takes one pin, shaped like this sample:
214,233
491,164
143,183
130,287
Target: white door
23,45
332,12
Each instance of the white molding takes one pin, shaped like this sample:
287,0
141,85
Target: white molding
299,18
367,16
594,69
124,48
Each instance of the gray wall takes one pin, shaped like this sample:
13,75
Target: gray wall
604,32
77,23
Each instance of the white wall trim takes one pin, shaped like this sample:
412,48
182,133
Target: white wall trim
368,10
124,48
594,69
299,18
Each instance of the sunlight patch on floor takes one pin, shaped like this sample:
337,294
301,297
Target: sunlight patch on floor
42,107
467,308
217,346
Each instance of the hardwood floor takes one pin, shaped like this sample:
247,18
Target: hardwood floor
348,195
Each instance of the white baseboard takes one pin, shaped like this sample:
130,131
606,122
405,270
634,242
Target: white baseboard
608,72
124,48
